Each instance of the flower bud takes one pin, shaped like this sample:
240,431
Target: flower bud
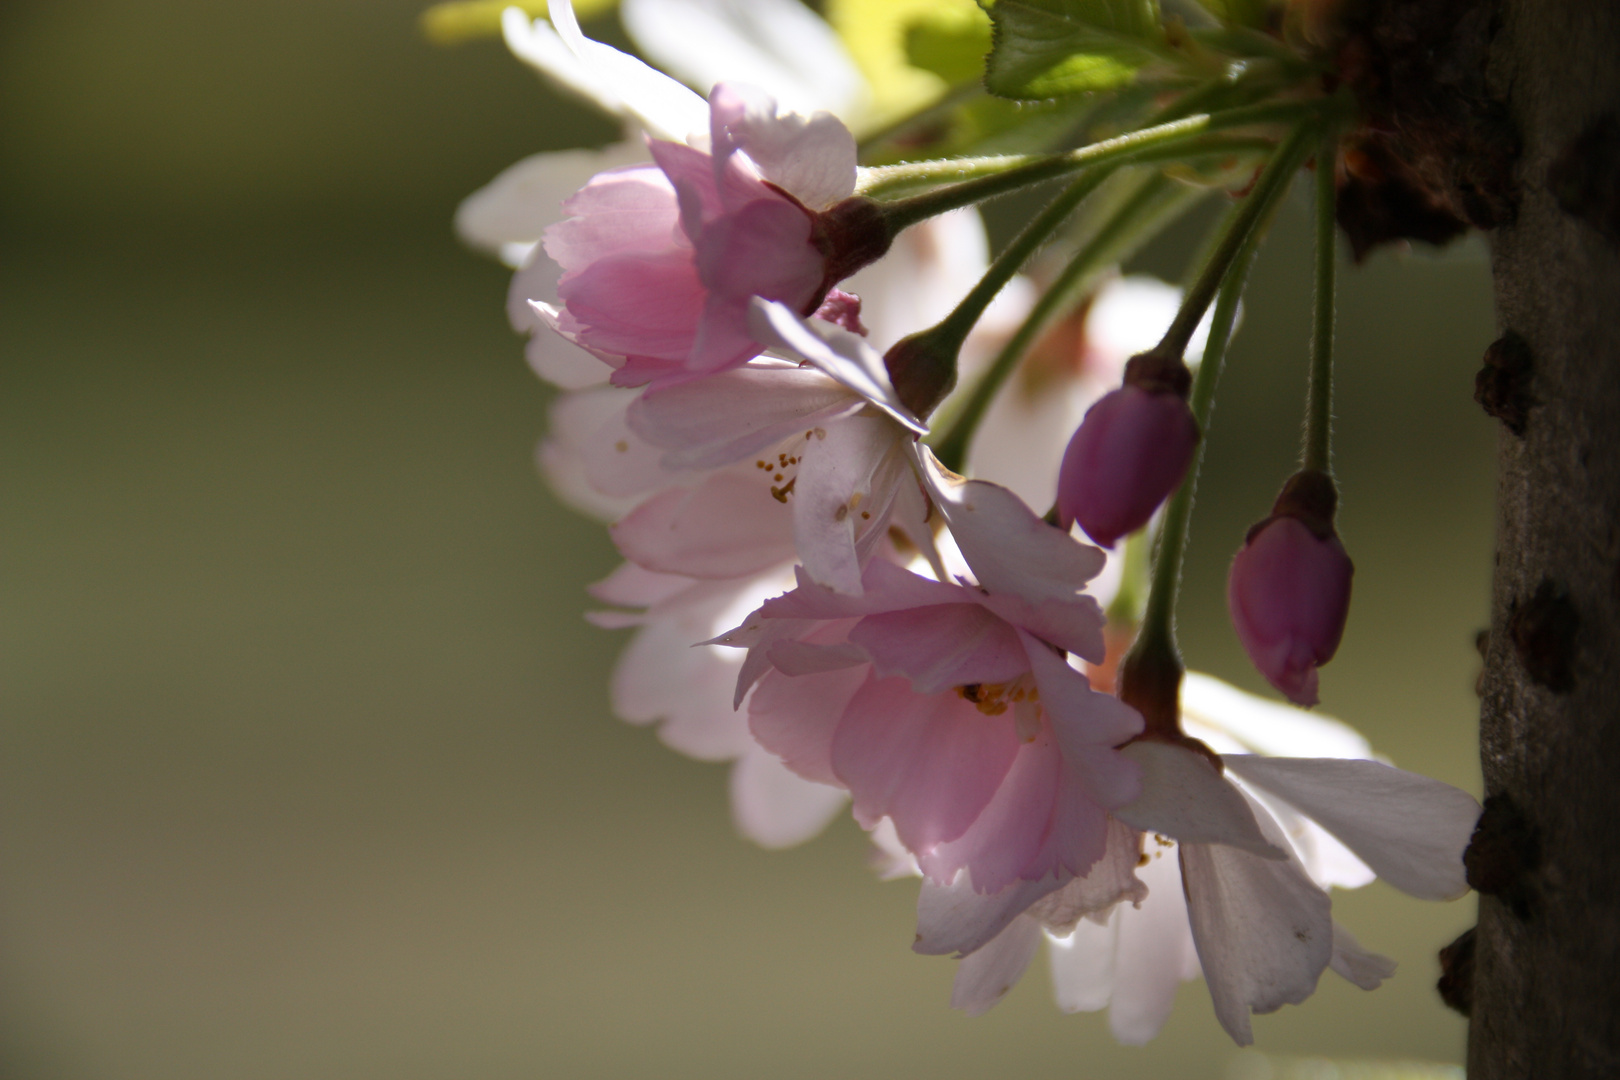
1129,453
1289,589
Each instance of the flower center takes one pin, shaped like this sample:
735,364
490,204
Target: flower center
1020,695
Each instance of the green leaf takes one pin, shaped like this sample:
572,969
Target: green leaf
1238,12
950,42
1049,48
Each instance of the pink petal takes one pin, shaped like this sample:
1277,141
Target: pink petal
932,763
848,474
727,527
839,354
1003,844
797,718
942,646
1009,548
661,678
630,210
635,305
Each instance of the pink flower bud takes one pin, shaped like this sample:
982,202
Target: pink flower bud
1289,594
1126,457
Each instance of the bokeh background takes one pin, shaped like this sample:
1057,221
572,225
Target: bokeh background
306,764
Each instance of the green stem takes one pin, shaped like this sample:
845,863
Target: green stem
1155,648
962,318
952,447
905,212
893,180
1125,609
1268,187
1319,406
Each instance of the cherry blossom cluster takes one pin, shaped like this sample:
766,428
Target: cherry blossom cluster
747,354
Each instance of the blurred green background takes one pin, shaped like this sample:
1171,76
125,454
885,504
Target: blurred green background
306,766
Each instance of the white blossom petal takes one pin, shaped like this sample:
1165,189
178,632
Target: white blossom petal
776,808
1409,829
660,678
847,478
1155,952
955,920
780,46
1268,727
984,978
729,416
1111,880
811,157
841,355
1354,964
615,80
1009,548
1184,798
1263,930
1083,965
725,527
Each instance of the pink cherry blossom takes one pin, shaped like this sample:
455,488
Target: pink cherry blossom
685,690
948,710
660,261
1126,457
1289,595
1220,874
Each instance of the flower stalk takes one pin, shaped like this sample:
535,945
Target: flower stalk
1150,674
1317,456
922,367
1015,172
1103,248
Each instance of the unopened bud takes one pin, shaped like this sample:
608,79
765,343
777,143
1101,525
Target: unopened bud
1129,453
1289,588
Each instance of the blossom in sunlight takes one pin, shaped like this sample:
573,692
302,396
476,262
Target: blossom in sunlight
806,69
941,709
596,461
1232,872
659,263
950,709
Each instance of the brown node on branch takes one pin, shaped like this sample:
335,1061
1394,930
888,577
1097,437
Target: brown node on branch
1434,152
1456,983
1543,629
1502,854
1586,177
1502,386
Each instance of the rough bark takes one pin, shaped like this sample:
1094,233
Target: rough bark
1546,956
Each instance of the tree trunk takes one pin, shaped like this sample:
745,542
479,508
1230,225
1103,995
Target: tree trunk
1546,859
